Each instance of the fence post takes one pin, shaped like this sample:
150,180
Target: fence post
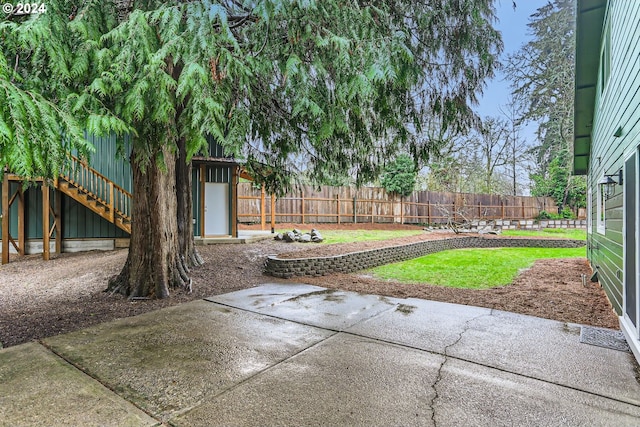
502,209
273,213
338,207
401,209
355,213
523,217
428,213
263,218
479,210
372,206
302,207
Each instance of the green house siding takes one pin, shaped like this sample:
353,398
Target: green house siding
615,112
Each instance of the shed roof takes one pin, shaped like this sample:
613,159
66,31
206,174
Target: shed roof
589,21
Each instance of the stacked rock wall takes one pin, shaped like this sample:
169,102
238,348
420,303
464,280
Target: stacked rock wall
286,268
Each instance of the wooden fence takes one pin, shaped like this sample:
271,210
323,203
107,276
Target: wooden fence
374,205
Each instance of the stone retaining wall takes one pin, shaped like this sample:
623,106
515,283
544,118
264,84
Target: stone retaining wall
530,224
347,263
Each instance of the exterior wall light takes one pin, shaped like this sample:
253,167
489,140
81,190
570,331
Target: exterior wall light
618,132
609,183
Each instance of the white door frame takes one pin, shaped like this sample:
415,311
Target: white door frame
631,331
216,209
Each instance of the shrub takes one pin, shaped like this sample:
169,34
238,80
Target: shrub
565,213
544,215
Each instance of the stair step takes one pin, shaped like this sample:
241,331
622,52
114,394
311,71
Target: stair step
85,197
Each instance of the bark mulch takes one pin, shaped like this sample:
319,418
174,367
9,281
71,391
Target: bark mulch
44,298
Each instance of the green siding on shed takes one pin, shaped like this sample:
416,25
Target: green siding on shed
110,158
616,106
78,221
216,150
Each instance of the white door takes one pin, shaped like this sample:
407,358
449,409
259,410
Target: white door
216,209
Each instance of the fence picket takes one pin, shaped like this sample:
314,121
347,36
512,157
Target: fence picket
324,205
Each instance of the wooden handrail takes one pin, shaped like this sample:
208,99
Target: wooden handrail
95,172
100,188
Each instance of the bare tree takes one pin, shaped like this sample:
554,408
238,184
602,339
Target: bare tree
492,145
518,149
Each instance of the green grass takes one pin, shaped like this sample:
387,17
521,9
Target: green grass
471,268
348,236
565,233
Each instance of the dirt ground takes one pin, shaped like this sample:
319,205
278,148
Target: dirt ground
40,299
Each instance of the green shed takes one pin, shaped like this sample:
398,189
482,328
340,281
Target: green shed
90,202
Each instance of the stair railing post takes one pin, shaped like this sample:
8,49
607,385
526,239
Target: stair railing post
112,214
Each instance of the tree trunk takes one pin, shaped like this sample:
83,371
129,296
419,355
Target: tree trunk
185,209
154,264
567,188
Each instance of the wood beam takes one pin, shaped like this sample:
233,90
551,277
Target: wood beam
58,220
234,202
46,206
21,221
5,218
203,171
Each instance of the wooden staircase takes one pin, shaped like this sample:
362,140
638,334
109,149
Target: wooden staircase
96,192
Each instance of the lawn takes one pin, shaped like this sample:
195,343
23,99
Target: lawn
561,233
349,236
471,268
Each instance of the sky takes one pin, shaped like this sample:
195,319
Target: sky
513,25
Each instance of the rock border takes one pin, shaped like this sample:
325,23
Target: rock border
361,260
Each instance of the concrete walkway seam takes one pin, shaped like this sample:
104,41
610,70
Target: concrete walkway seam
106,386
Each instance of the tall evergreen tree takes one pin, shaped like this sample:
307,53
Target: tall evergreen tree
341,83
399,176
542,73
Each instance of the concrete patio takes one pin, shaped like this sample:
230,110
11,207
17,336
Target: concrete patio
304,355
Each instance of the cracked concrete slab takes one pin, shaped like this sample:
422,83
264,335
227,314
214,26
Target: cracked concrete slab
548,350
39,388
427,325
325,308
345,380
470,394
167,361
401,362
